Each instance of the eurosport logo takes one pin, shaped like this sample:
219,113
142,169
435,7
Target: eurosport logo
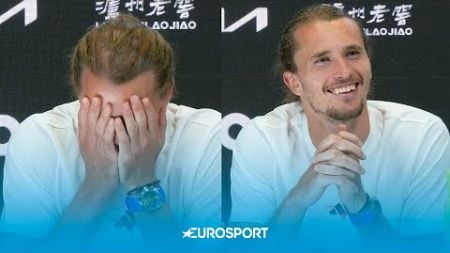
226,233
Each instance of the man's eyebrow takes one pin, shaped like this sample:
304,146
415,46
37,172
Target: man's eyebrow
325,52
320,54
353,47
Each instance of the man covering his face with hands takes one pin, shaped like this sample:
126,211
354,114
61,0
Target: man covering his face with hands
122,163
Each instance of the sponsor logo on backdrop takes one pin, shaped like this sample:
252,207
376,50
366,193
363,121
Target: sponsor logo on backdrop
227,122
259,14
156,14
382,19
226,233
29,8
10,124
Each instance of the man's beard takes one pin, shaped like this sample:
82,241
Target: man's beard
339,115
334,114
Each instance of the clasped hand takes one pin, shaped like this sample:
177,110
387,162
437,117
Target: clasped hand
120,150
336,162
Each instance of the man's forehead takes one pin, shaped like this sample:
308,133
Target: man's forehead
87,72
324,32
142,85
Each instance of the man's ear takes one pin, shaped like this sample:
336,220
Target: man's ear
169,94
293,83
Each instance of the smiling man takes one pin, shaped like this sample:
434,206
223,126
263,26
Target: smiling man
121,163
330,170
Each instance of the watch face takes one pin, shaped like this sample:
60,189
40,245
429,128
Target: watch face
153,199
145,199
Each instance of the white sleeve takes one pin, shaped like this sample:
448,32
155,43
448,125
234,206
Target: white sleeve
424,208
28,204
252,194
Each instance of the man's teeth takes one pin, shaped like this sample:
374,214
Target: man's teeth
344,89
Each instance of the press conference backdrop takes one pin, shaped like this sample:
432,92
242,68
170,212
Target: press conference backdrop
226,53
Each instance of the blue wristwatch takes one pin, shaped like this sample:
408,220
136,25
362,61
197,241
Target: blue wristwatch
145,198
369,214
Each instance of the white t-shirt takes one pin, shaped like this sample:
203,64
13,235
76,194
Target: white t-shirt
408,154
44,170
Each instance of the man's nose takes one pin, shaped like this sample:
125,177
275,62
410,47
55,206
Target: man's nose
342,69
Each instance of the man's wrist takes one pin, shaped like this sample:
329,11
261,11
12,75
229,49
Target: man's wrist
369,214
139,183
133,176
358,204
96,190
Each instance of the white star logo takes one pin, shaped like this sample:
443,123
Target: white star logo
187,233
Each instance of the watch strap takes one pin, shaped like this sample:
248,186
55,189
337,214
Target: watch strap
369,213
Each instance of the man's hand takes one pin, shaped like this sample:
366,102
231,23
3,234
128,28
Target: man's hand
140,141
337,162
96,140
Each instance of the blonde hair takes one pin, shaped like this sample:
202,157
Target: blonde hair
120,49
